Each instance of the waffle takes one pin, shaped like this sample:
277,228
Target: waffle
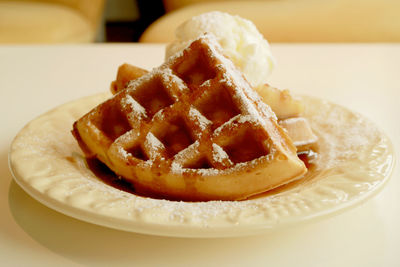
126,73
281,101
287,108
192,129
300,132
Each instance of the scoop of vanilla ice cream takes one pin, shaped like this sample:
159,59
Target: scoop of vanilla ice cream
239,38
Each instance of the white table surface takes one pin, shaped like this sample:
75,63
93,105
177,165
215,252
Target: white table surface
33,79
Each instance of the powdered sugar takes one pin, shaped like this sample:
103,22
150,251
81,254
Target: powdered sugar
153,141
218,153
176,168
247,119
196,116
172,80
137,109
153,145
344,134
123,152
227,125
134,84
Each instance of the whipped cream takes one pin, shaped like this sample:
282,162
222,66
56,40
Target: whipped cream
239,38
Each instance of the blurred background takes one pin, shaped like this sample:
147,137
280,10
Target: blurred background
86,21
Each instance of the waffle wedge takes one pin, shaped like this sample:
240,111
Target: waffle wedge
287,108
126,73
282,103
192,129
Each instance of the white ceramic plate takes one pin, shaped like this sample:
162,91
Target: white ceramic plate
354,162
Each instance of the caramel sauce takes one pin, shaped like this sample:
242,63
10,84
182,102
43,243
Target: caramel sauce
107,176
308,158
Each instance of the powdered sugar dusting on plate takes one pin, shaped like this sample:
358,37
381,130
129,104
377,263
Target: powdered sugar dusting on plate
346,135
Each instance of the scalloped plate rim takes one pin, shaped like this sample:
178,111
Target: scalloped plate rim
191,231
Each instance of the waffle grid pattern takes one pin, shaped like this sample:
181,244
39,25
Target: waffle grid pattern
193,117
210,133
